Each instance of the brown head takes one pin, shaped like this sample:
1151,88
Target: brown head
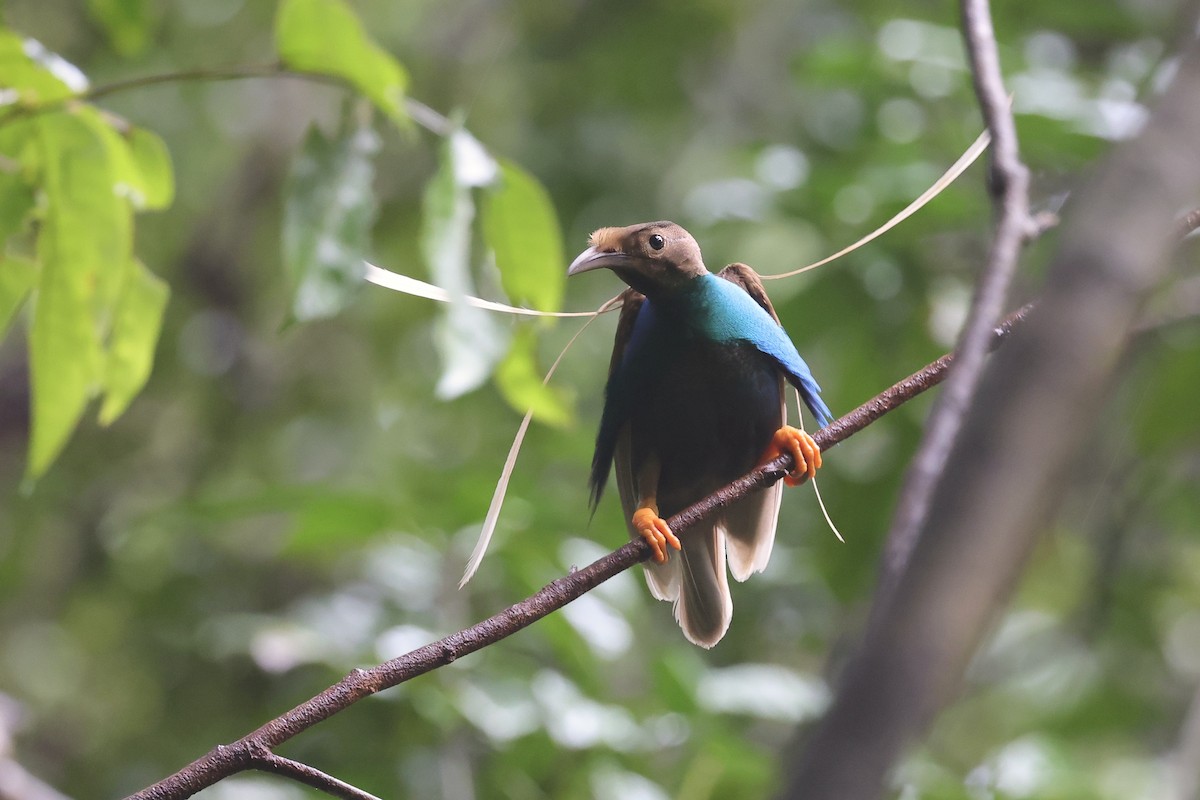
650,256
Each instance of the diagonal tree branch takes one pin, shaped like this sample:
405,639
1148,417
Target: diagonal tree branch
248,752
1009,182
266,761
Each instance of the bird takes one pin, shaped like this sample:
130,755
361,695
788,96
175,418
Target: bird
695,399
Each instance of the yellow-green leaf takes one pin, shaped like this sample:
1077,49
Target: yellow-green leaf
521,227
152,162
17,277
521,383
83,247
16,201
140,163
134,335
326,37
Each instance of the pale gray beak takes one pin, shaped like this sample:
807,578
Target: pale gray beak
594,259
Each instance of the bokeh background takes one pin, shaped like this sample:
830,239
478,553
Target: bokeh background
285,502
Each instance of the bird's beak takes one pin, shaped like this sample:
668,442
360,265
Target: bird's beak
595,259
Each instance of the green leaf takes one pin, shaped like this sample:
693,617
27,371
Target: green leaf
469,341
152,165
520,381
37,75
327,220
521,227
325,37
83,246
134,335
17,277
127,23
138,158
16,201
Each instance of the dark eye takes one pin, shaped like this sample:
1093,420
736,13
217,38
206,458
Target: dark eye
656,242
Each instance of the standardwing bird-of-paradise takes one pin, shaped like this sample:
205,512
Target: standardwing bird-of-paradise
695,399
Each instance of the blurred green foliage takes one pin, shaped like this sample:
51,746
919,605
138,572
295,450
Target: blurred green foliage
283,503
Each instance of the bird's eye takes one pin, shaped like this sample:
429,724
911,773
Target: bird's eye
656,242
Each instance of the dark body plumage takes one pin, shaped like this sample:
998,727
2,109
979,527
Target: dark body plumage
694,397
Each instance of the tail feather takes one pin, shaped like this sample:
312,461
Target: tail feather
750,530
704,606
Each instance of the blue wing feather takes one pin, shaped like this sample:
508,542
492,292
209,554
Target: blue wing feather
731,314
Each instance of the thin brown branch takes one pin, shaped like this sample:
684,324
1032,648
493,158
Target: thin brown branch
420,113
1010,184
226,760
266,761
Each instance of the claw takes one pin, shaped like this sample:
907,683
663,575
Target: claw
654,529
801,447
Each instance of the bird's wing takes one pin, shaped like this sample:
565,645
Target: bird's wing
631,304
613,427
780,347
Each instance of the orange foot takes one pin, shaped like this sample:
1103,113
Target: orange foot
653,528
802,448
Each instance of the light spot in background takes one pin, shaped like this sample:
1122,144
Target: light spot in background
576,721
901,39
242,787
1181,645
931,81
605,630
401,639
211,12
949,302
210,342
503,711
920,41
1133,62
610,782
854,204
472,164
901,120
282,646
408,569
669,730
732,198
1023,768
867,456
839,120
1134,779
781,167
42,661
882,279
766,691
1050,49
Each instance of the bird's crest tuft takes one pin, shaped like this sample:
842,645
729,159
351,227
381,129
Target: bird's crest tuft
606,240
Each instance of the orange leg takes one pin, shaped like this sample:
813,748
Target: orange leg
654,530
803,449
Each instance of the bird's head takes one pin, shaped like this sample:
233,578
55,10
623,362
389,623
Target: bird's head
652,257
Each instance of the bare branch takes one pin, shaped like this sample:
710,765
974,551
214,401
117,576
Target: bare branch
266,761
1038,400
1010,182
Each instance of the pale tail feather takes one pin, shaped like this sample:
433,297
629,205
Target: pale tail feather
750,525
705,606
